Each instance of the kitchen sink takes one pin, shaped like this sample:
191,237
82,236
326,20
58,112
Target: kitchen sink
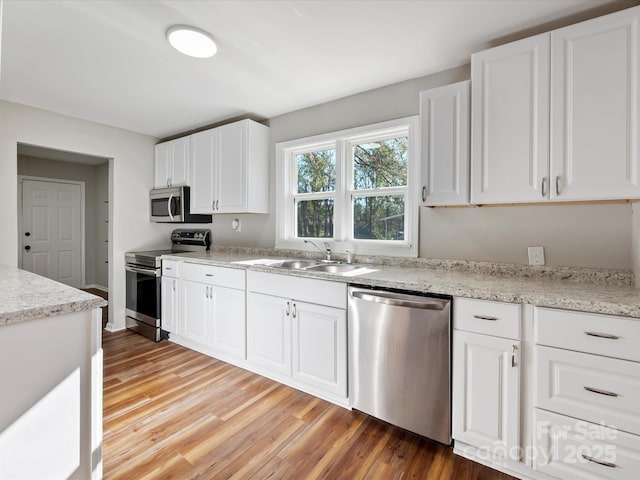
333,268
296,264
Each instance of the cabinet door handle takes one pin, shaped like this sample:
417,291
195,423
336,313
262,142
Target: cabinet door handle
217,205
600,392
485,317
213,205
424,193
174,285
295,311
544,183
557,184
599,462
168,183
288,310
513,355
602,335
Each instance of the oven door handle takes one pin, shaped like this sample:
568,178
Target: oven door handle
145,271
169,206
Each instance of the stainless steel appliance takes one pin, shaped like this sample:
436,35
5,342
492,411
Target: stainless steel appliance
144,276
172,205
400,362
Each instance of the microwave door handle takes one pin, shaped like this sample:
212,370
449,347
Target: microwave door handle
169,206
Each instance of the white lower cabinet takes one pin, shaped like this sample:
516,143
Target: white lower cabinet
587,414
486,392
169,304
269,332
229,326
576,449
211,310
320,346
299,340
196,312
487,355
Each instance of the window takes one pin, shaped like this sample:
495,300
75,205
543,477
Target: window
350,188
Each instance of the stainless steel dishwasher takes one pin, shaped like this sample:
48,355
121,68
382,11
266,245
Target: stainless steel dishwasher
399,359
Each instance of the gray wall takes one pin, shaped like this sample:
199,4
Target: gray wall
96,187
573,235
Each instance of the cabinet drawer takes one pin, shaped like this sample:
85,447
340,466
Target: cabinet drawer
170,268
589,387
311,290
491,318
617,337
570,448
221,276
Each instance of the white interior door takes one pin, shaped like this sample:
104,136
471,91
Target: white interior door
52,230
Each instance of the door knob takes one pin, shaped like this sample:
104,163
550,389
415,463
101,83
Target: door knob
27,247
27,234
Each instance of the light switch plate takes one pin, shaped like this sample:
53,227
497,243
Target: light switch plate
536,255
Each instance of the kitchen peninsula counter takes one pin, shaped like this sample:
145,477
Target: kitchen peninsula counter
27,296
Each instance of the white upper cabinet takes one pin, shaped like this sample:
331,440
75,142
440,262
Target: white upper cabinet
510,122
595,108
202,166
444,124
172,163
556,116
229,167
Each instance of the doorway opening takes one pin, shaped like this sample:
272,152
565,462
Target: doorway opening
64,216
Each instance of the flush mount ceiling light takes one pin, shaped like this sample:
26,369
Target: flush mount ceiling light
191,41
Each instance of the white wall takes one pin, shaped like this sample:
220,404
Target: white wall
573,235
131,179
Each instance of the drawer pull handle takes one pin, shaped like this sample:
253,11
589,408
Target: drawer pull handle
485,317
599,462
208,274
601,392
602,335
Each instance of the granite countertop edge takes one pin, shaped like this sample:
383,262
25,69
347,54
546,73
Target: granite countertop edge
557,292
26,296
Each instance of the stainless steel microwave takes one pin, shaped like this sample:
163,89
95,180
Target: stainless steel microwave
172,205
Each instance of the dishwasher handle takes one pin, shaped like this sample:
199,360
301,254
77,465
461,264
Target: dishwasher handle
400,300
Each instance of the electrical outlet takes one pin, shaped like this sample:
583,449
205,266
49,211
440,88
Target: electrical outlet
236,225
536,255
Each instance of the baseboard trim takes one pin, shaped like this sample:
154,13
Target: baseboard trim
97,287
109,327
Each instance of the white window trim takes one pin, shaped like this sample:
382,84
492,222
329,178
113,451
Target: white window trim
342,141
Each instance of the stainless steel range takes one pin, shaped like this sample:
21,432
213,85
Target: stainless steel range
144,277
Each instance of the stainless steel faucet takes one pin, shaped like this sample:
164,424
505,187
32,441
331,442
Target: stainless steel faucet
326,251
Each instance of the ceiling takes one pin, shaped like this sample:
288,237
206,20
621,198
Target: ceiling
109,62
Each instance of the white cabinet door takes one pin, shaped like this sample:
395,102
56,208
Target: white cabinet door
486,391
232,169
170,304
269,332
204,155
229,332
172,163
179,162
510,122
320,346
196,312
444,123
162,165
595,108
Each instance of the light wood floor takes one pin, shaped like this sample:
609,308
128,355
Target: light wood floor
173,413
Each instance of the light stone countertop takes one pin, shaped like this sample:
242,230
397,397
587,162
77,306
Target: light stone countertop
588,290
26,296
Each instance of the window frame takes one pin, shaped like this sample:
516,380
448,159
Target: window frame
344,142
